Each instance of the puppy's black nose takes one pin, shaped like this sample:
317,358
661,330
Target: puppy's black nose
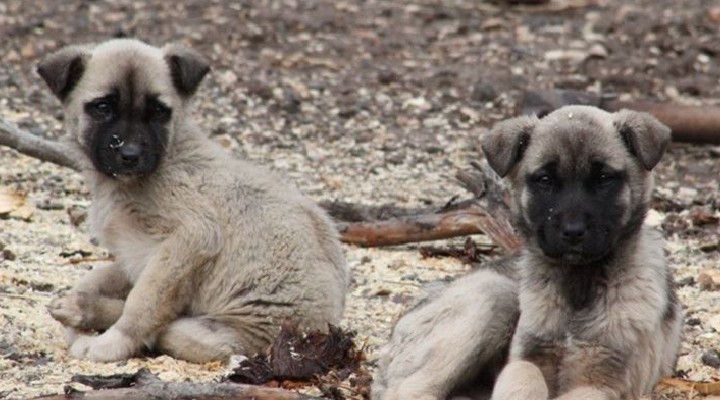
573,232
130,154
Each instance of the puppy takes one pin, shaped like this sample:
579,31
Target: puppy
211,253
587,310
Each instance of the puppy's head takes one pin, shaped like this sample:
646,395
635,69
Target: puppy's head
580,177
123,100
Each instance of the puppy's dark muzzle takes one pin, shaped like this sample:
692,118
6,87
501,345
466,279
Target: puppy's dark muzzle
130,155
574,233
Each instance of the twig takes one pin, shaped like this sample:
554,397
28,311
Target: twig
145,385
424,227
31,145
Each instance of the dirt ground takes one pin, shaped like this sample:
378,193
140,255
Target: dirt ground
371,102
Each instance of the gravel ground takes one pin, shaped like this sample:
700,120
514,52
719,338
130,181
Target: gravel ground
363,101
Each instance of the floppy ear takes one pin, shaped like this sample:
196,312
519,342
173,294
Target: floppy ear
187,68
645,137
505,144
63,69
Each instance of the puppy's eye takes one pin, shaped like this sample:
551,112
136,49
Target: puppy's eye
101,109
606,178
159,111
544,180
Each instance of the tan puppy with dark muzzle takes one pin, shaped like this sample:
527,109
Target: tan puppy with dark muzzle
587,310
211,253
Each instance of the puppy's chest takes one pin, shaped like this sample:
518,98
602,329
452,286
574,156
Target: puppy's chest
131,233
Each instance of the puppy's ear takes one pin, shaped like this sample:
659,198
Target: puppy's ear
63,69
505,144
645,137
187,68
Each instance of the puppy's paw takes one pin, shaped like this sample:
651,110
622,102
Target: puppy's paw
71,309
113,345
408,393
71,334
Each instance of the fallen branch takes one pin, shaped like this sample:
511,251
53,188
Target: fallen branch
424,227
144,385
34,146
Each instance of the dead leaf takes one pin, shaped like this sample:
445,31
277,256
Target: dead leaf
12,205
709,279
297,358
703,388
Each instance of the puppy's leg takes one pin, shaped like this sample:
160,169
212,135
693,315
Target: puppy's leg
521,380
448,342
586,393
205,339
95,303
159,295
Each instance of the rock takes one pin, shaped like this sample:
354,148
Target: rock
654,218
9,255
387,76
709,279
483,91
711,358
227,79
597,51
291,102
686,281
77,215
714,323
686,195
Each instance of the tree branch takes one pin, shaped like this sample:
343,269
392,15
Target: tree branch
144,385
34,146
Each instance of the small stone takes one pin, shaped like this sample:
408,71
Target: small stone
27,51
259,89
693,322
49,204
227,79
9,255
686,194
714,152
711,358
77,215
597,51
483,92
714,14
686,281
709,279
387,76
714,323
654,218
291,102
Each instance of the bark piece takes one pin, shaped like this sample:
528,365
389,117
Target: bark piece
144,385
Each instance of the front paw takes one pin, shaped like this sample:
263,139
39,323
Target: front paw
113,345
71,309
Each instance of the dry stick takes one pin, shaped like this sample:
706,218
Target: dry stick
463,219
34,146
417,228
148,386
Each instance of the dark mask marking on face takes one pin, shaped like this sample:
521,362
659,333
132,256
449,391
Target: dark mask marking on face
128,132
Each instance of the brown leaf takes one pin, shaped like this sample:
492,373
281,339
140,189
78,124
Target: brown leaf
297,358
705,389
12,205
